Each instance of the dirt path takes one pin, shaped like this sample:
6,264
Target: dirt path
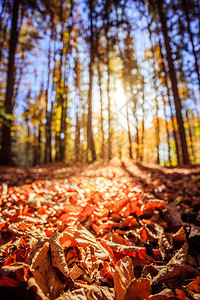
103,231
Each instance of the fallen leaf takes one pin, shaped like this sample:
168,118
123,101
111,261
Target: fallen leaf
138,289
123,275
57,255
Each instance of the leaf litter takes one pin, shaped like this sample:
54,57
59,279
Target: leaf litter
103,231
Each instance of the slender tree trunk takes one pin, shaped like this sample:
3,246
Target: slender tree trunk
185,7
2,32
39,143
63,125
47,153
109,109
90,138
77,138
50,133
27,146
127,119
169,104
60,87
6,128
108,81
129,132
101,103
190,136
157,123
121,144
137,137
143,131
63,130
173,78
167,130
35,146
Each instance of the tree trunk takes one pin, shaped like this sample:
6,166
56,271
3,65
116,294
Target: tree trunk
137,138
47,154
173,78
2,30
60,94
190,136
27,146
101,103
39,143
129,132
143,131
34,146
63,124
185,7
157,124
108,81
90,138
169,104
77,138
63,131
6,128
127,119
167,130
50,133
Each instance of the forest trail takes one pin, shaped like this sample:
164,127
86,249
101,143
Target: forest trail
101,231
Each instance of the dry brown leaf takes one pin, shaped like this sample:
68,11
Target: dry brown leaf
76,272
174,274
181,295
100,292
127,250
166,294
78,294
40,266
180,235
45,275
90,260
36,249
27,288
194,286
162,297
194,231
80,236
150,271
163,242
124,274
57,255
180,257
176,268
139,289
174,214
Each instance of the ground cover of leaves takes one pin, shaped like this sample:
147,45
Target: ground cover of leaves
105,231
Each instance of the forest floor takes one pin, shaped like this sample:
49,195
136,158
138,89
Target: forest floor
113,230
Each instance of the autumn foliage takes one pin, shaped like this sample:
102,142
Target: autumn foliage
99,234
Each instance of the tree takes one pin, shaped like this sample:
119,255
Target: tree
163,68
173,78
90,138
157,127
6,128
47,155
185,5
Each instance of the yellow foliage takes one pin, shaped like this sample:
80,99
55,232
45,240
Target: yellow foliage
147,53
67,120
115,64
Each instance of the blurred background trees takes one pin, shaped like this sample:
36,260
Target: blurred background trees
89,80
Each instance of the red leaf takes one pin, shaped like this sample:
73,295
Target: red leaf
8,282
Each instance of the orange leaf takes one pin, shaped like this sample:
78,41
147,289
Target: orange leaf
8,282
139,289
